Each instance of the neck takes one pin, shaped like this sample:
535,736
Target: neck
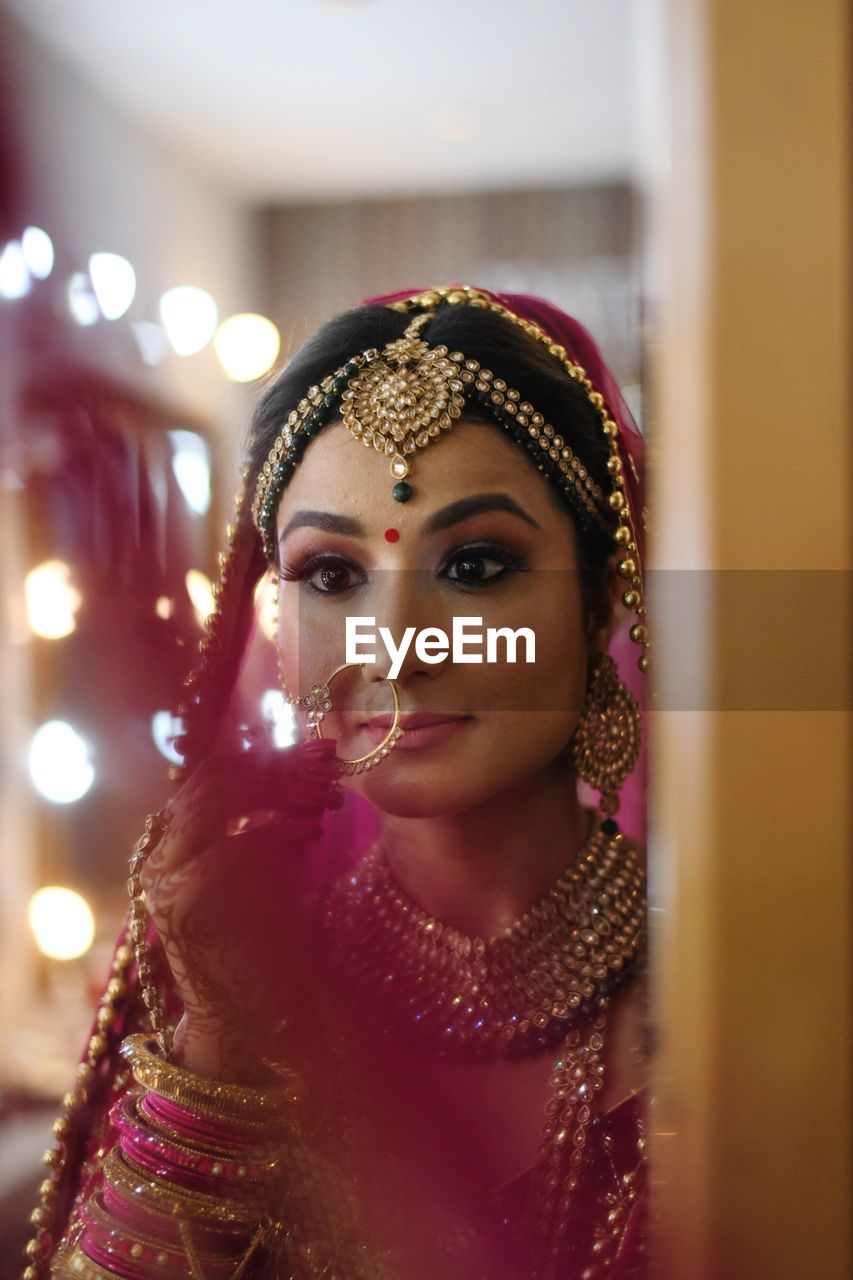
482,869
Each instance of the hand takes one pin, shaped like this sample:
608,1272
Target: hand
230,903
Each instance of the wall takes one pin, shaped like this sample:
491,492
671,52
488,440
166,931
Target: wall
752,816
94,180
577,247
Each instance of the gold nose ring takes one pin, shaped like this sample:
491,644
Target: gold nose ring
317,704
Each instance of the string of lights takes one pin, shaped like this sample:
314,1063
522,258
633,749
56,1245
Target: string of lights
63,763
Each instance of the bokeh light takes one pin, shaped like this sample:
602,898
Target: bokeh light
82,302
52,600
191,465
201,594
60,768
189,316
164,728
14,275
37,248
247,346
151,341
280,714
114,282
62,922
265,606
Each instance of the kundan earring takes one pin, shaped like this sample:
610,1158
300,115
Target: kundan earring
317,704
606,740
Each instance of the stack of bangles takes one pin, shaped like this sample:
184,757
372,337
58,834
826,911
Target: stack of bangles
187,1189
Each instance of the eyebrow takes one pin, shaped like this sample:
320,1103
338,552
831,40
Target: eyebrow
453,513
325,520
474,506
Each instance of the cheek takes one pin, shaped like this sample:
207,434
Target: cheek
561,662
552,686
307,651
505,751
287,638
311,637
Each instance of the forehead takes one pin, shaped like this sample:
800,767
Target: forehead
338,472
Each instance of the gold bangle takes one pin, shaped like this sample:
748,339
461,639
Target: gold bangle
244,1104
77,1265
139,1188
173,1244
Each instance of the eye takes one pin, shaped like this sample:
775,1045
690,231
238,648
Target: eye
328,575
475,566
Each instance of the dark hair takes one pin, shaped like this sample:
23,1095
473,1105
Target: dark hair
498,345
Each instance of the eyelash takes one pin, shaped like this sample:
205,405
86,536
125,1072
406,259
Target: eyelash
481,551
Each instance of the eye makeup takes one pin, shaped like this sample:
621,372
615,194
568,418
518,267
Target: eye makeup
331,573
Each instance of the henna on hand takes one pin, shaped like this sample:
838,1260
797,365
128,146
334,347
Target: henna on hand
231,908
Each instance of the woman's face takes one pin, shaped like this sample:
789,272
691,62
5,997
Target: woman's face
510,558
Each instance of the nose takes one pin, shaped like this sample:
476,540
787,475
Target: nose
403,601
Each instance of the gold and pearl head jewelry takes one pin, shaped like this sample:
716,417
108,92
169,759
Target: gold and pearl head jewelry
403,398
317,704
408,395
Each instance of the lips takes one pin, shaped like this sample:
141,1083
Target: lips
416,720
422,730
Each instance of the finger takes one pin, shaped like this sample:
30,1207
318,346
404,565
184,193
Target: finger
278,860
262,865
243,836
223,787
318,760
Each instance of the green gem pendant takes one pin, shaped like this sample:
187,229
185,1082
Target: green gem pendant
401,492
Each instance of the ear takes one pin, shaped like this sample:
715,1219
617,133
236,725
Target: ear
602,624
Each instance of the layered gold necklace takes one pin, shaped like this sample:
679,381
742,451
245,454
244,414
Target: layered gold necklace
513,995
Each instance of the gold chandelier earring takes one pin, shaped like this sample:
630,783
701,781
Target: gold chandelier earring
606,740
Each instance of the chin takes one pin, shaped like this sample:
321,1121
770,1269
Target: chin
426,793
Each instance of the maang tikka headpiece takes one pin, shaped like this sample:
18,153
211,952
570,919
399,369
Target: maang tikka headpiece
408,395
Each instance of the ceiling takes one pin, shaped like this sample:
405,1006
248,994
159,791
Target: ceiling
292,100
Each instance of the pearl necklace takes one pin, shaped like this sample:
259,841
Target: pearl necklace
514,995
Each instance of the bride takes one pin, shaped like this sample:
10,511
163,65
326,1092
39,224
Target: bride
424,1056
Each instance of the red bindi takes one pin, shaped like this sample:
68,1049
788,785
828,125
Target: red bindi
391,535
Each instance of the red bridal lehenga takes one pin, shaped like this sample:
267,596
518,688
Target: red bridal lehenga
341,1170
360,1192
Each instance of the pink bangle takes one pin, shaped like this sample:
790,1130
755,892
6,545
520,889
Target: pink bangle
210,1239
209,1184
118,1259
112,1242
145,1145
109,1246
216,1132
